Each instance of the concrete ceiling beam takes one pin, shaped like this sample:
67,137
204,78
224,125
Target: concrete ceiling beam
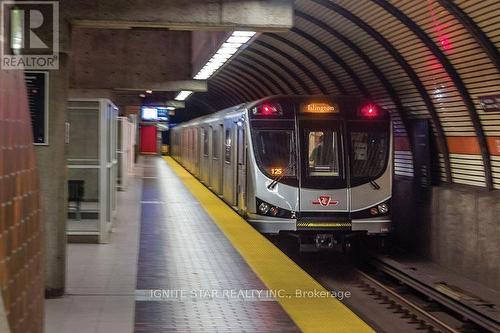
192,85
272,15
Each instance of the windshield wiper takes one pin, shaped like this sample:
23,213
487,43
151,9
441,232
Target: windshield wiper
278,178
374,184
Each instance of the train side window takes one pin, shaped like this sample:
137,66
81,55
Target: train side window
241,146
227,145
215,144
205,142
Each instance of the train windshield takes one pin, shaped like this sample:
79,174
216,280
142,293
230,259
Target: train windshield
323,153
322,163
369,152
274,151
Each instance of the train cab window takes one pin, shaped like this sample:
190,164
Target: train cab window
227,145
274,151
369,152
323,153
205,142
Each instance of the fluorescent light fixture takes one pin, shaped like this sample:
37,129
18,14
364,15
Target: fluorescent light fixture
212,65
182,95
216,58
171,108
244,33
227,50
149,91
219,58
238,39
231,45
224,53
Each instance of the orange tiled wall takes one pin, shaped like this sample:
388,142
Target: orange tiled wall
21,269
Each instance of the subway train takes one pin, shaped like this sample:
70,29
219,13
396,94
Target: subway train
316,167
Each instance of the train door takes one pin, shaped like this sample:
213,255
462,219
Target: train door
242,173
216,170
191,149
199,150
323,185
229,185
220,168
196,157
205,165
209,156
188,149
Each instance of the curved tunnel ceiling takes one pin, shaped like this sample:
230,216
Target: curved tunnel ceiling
418,59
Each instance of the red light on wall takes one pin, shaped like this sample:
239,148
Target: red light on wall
441,27
445,43
370,111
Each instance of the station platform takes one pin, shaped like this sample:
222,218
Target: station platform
200,268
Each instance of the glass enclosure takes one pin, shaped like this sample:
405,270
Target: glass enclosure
92,167
126,135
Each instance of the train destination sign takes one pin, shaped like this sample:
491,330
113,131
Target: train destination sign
319,108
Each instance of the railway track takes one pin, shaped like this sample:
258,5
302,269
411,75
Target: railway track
418,316
473,313
386,299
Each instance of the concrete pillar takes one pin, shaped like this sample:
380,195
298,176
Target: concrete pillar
4,322
51,160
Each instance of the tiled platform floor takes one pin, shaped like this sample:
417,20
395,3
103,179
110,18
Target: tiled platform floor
181,248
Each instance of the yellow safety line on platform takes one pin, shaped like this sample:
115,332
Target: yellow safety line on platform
275,269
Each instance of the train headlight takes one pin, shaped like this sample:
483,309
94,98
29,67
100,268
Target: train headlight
264,208
274,211
379,210
383,208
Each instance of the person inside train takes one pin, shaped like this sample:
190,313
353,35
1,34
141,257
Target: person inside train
320,155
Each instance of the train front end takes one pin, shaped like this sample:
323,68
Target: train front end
319,167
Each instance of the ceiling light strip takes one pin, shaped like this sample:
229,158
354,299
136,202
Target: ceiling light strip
183,95
224,53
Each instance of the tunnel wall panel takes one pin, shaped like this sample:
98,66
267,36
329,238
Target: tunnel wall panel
328,63
464,233
456,226
485,15
275,65
268,74
312,70
313,88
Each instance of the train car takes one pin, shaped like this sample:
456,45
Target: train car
319,167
